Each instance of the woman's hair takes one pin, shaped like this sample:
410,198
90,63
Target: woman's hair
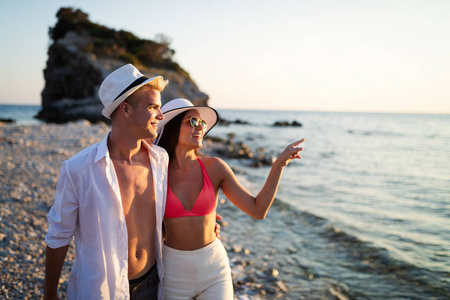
170,134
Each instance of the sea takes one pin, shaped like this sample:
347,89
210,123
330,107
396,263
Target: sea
377,183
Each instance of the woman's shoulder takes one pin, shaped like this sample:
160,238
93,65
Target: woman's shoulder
216,168
212,162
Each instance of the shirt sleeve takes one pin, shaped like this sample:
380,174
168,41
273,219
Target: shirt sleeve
166,158
63,216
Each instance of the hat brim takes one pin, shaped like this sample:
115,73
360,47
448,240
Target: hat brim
207,113
108,110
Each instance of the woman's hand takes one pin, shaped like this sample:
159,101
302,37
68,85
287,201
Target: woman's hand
258,206
291,152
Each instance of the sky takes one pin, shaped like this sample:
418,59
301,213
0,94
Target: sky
307,55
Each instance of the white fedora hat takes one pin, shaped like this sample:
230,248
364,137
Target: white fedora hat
176,106
120,84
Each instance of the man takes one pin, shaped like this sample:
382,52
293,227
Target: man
111,198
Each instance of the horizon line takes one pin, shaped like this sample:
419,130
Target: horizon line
298,110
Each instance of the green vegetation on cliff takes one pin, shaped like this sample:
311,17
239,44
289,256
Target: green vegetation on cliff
109,43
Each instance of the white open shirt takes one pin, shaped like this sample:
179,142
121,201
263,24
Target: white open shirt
88,207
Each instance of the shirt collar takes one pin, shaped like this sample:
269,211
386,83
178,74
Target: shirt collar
156,155
102,149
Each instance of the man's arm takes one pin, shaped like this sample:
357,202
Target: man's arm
54,260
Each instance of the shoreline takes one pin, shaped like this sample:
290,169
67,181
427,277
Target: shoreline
292,254
31,156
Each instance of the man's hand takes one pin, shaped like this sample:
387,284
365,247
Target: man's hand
54,260
217,227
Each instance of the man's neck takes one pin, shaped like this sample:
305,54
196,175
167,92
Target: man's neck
123,147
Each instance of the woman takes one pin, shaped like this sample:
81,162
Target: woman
195,262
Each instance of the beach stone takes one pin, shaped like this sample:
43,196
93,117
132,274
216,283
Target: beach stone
250,279
236,249
240,263
273,272
282,286
260,274
271,289
291,250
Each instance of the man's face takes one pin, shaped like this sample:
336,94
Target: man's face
146,113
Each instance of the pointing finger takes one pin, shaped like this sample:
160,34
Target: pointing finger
295,144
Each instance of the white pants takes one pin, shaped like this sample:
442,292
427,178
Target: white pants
199,274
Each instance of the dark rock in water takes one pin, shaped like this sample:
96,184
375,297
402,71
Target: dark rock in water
261,160
7,120
240,122
84,53
285,123
227,148
224,122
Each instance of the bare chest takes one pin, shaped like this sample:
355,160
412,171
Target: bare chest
136,186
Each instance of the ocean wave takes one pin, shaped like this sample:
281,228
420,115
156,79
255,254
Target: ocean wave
375,133
365,257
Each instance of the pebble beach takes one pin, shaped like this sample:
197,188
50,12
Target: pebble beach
335,231
30,157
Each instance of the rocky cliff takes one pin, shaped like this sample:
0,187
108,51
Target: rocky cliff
84,53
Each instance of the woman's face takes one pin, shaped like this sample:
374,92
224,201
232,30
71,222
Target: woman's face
190,136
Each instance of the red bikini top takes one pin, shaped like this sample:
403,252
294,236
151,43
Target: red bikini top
204,204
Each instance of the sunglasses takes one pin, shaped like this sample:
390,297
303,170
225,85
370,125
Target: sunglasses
194,122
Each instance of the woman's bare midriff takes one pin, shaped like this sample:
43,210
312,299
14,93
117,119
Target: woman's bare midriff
190,233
